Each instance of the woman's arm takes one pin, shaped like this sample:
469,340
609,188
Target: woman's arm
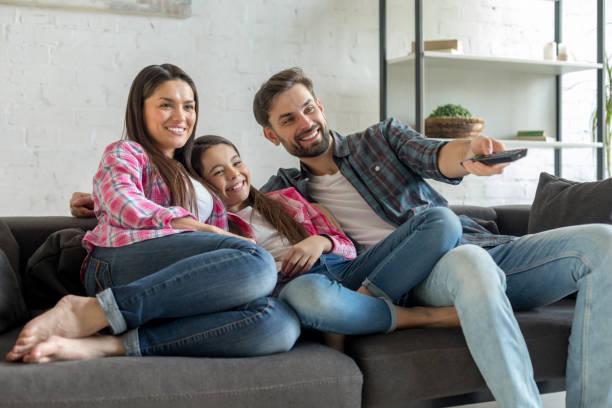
188,223
119,190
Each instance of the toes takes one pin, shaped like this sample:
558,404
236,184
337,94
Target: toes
42,353
12,356
18,352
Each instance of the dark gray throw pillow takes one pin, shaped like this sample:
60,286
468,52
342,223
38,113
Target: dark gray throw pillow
13,310
54,268
560,203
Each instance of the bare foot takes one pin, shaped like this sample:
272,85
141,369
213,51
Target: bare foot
71,317
335,341
57,348
421,316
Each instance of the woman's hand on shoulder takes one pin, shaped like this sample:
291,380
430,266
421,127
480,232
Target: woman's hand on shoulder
302,256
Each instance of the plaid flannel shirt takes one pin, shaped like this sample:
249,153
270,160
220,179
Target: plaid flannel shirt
132,201
387,164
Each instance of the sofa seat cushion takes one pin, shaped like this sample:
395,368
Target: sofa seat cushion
419,364
310,375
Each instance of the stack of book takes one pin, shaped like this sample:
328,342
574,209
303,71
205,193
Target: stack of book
539,135
450,46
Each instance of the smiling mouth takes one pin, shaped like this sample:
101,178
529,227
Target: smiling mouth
236,187
311,134
177,130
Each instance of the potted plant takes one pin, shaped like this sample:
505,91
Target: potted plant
607,125
452,121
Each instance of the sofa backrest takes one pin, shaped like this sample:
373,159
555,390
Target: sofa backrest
31,232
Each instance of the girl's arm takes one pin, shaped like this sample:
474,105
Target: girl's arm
303,255
314,221
328,216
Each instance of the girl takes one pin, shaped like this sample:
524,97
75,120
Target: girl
319,275
166,282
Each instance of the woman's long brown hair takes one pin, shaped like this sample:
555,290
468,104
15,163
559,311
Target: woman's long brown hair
173,171
270,209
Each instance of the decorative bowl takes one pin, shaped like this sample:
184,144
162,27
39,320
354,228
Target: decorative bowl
453,127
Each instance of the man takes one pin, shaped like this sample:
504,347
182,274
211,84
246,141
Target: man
373,182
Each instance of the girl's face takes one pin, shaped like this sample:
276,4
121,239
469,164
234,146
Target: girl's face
230,177
169,115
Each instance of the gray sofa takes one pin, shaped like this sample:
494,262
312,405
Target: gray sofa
408,368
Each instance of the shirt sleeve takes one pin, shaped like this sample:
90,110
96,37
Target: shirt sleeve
416,151
119,191
341,244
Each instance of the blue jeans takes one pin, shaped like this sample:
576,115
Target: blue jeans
325,298
534,270
192,294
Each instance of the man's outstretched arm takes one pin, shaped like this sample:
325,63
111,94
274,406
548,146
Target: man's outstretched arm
82,205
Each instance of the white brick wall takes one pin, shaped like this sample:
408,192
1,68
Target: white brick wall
65,77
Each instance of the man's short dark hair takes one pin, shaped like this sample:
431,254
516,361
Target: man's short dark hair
277,84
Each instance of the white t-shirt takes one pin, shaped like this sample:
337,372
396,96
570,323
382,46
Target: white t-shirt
266,235
353,213
204,200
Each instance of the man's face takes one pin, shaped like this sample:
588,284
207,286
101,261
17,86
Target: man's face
298,123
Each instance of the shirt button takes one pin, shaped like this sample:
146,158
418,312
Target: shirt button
377,168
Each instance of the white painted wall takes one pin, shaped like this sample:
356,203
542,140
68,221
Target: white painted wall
65,76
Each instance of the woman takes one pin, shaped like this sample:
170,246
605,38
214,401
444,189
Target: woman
317,275
166,282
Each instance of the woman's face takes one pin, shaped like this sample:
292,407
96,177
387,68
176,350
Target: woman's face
169,115
226,172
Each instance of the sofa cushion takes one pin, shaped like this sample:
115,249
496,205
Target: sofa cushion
54,269
9,245
12,306
560,203
420,364
13,310
310,375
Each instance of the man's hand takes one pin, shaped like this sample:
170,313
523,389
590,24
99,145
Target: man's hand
453,155
81,205
483,145
303,255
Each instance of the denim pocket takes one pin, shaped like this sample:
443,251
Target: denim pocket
97,276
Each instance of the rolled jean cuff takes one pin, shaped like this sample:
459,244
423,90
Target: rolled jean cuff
376,291
393,314
111,311
131,343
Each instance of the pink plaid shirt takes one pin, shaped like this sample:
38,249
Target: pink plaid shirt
132,201
311,219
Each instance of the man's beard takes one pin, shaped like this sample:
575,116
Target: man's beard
314,149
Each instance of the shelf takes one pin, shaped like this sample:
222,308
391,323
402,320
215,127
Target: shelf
513,143
474,62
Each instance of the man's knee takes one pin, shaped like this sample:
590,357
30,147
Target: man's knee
469,269
448,222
